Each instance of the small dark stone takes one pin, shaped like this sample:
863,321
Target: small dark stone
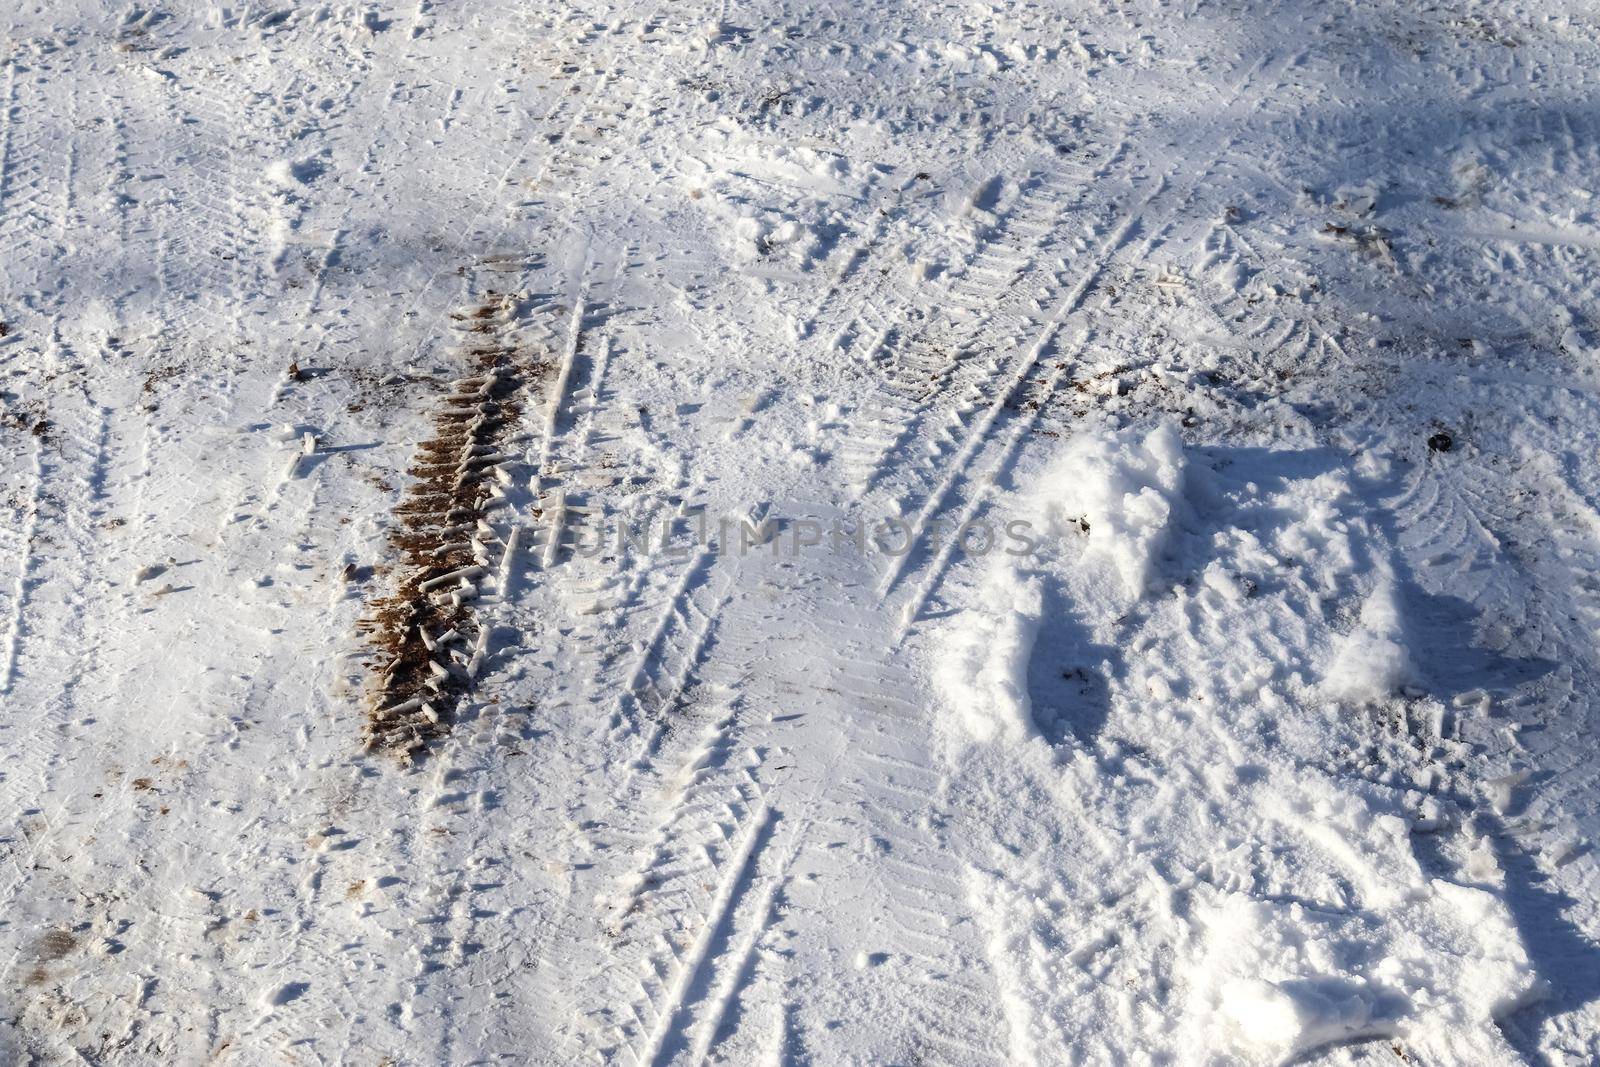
1441,442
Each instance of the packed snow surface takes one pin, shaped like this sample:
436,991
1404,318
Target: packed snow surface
666,533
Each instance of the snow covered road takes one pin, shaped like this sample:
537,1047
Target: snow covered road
967,533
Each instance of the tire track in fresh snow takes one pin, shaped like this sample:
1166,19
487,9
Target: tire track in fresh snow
568,111
986,298
655,679
591,427
56,588
613,111
607,585
671,648
844,307
37,147
737,888
309,1004
8,112
460,915
879,785
661,953
746,927
953,1020
67,470
378,860
26,154
564,507
212,243
957,468
689,919
576,107
689,791
868,776
663,743
22,535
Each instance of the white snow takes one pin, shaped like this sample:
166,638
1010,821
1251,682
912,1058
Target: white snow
942,533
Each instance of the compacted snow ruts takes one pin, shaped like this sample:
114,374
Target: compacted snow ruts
939,533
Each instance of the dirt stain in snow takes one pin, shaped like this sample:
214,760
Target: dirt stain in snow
56,944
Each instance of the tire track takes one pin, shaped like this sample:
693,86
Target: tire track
431,640
842,309
987,298
37,147
956,469
53,651
742,868
691,916
23,535
8,113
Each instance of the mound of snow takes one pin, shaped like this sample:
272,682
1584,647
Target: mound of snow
1270,904
1426,960
1287,1018
1372,662
1273,981
1127,489
983,672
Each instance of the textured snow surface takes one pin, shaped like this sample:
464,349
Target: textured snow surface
674,533
1305,915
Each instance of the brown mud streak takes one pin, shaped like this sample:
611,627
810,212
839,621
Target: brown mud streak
428,640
